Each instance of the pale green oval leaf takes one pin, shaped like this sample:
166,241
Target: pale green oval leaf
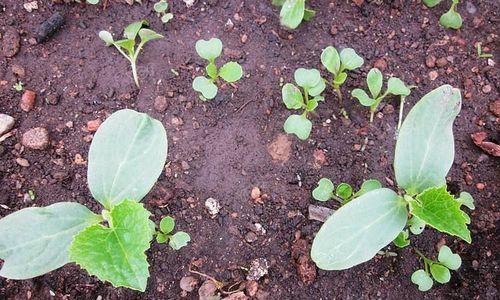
148,35
422,279
431,3
167,224
167,17
231,71
210,49
362,97
292,97
330,59
292,13
350,60
374,79
451,19
467,200
307,78
179,240
440,273
359,229
396,86
106,36
160,6
425,147
36,240
344,191
206,87
318,88
298,125
324,190
126,157
449,259
132,30
93,2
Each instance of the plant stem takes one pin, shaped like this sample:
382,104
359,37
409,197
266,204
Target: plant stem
134,73
427,261
401,108
339,94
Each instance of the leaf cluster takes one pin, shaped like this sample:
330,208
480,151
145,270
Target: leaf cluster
293,12
450,19
439,270
161,8
338,64
230,72
175,240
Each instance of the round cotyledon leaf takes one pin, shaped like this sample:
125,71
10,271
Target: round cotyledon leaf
231,71
298,125
449,259
350,60
324,190
205,86
292,97
422,279
210,49
307,78
330,59
440,273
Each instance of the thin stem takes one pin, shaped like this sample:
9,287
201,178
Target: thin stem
401,108
134,73
427,261
339,93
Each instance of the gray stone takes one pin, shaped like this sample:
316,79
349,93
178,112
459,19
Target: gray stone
6,123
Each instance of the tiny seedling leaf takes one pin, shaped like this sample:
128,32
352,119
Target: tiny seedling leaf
167,224
449,259
161,238
307,78
160,6
324,190
437,208
147,35
330,59
396,86
318,88
344,191
367,186
292,97
292,13
179,240
467,200
432,3
308,14
167,17
107,37
402,241
93,2
422,279
374,79
363,97
131,31
340,78
210,49
312,104
231,71
205,86
451,19
211,69
440,273
350,59
298,125
417,226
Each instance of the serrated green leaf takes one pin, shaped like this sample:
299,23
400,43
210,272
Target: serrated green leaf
425,147
231,71
205,86
324,190
402,241
106,36
367,186
292,13
298,125
417,226
330,59
359,229
179,240
132,30
307,78
467,200
292,97
374,79
117,253
344,191
318,88
449,259
36,240
167,224
350,60
362,97
422,279
147,35
440,273
437,208
126,157
396,86
451,19
210,49
431,3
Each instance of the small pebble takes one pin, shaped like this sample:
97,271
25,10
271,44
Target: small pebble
255,193
430,61
433,75
188,283
27,100
6,123
160,104
36,138
93,125
213,206
23,162
258,268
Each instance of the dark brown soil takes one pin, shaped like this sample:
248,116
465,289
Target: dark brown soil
224,142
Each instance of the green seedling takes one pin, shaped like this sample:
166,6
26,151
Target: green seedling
176,240
374,79
126,157
293,12
18,86
338,65
161,8
451,19
313,85
128,43
480,53
368,221
230,72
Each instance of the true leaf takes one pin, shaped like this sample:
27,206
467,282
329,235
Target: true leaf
307,78
179,240
210,49
440,273
344,191
127,45
36,240
359,229
425,146
437,208
451,19
292,13
206,87
324,190
432,3
161,238
231,71
126,157
422,279
330,59
417,226
311,104
298,125
340,78
402,240
350,59
132,30
449,259
374,79
106,36
167,224
467,200
309,14
211,69
363,97
148,35
292,97
117,253
396,86
278,2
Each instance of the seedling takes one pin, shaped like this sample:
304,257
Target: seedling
451,19
313,85
230,72
176,240
126,157
161,8
293,12
338,65
128,43
18,86
480,53
374,79
370,220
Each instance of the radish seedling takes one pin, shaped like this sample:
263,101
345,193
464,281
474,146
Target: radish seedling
126,157
369,220
313,85
128,43
161,8
230,72
293,12
374,79
451,19
176,240
336,64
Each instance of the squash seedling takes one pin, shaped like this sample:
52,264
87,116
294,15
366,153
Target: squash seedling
338,65
373,218
374,79
450,19
126,157
230,72
161,8
128,43
313,85
293,12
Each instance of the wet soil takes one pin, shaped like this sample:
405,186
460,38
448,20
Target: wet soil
219,148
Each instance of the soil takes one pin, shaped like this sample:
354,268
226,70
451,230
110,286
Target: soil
220,148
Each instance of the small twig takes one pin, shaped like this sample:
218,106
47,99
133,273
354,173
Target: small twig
243,106
218,284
